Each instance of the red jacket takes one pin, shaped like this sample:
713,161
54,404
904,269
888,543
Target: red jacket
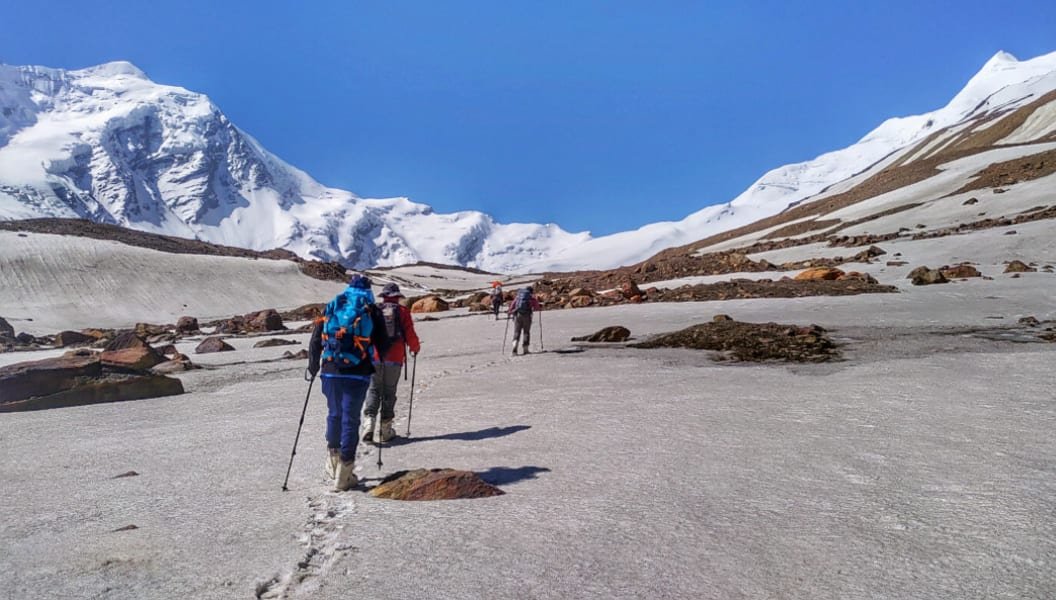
397,350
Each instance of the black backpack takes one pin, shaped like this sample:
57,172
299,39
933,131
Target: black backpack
393,327
522,304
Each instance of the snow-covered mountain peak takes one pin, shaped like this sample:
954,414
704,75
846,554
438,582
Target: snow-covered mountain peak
112,70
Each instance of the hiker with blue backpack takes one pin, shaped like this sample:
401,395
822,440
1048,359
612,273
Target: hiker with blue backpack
524,303
399,329
341,351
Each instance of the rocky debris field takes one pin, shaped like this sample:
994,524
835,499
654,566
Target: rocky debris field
751,342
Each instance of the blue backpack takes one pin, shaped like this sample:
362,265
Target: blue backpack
347,326
522,303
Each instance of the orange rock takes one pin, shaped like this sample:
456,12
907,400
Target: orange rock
429,304
827,273
434,484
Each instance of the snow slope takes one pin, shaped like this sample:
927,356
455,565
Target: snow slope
108,144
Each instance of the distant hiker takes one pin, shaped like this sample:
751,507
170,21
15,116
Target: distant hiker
496,298
521,309
399,329
344,342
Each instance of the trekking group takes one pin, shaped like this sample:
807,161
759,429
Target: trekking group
359,349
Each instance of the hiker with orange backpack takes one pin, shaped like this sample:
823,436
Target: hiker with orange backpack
399,329
341,351
496,298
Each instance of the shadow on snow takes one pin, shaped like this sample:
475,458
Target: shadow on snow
464,436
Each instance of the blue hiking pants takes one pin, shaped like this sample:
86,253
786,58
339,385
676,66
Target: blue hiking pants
344,398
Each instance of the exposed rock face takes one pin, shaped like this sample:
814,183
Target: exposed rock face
213,344
187,325
825,273
65,339
752,342
630,289
1018,266
271,342
926,276
429,304
616,333
73,380
434,484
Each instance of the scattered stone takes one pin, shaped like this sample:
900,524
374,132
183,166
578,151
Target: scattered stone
308,312
168,350
819,273
187,325
178,364
302,354
65,339
970,202
1018,266
434,484
146,330
76,379
925,276
213,344
271,342
961,271
897,263
581,301
1030,321
265,320
1015,276
615,333
630,290
752,342
721,318
1010,232
429,304
126,339
25,339
126,474
6,330
126,528
132,359
857,276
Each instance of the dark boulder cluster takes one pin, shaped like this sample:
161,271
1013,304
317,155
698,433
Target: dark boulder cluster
751,342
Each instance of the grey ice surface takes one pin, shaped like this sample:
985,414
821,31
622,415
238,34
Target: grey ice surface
922,466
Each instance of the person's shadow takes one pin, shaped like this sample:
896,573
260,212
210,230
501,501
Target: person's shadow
506,475
463,436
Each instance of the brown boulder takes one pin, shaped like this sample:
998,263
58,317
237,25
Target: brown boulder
213,344
615,333
580,301
187,325
178,364
1018,266
72,338
924,276
434,484
429,304
126,339
43,377
307,312
630,289
301,354
580,292
961,271
146,330
857,276
110,387
132,359
825,273
265,320
479,307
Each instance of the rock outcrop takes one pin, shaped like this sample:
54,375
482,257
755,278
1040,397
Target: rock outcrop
434,484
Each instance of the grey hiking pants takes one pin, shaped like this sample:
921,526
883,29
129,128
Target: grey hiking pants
522,323
383,391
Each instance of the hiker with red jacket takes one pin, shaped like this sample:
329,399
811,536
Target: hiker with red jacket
344,342
521,309
399,327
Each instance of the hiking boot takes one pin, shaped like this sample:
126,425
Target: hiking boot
387,432
333,456
514,352
368,429
525,350
345,479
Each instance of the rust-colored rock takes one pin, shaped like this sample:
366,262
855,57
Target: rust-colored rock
824,273
271,342
213,344
265,320
925,276
132,359
429,304
857,276
630,289
581,301
301,354
126,339
146,330
434,484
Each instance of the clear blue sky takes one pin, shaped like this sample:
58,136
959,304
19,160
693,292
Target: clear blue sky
596,115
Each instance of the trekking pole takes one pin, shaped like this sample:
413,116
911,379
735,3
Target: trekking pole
410,405
506,334
380,442
405,362
542,347
310,381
